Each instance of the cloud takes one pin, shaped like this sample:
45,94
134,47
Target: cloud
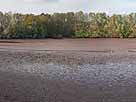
50,6
113,6
39,1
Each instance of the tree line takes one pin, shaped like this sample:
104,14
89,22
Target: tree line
67,25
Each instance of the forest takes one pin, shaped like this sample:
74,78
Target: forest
67,25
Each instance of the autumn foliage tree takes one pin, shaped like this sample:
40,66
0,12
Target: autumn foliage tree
67,25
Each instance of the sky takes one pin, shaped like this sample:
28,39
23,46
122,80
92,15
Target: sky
51,6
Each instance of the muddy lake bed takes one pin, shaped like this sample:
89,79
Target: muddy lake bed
68,70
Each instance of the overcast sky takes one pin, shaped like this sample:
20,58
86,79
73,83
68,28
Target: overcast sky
50,6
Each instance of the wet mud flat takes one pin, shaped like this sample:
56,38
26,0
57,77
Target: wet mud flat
66,77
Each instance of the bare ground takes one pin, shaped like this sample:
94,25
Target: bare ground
68,70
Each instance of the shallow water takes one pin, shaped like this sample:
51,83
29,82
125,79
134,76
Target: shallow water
109,74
